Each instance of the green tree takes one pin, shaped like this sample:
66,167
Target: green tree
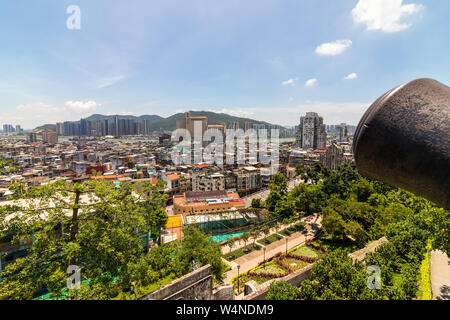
280,290
255,234
256,203
95,226
199,248
245,238
337,277
266,231
230,243
299,171
6,166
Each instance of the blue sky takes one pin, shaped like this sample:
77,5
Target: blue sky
270,60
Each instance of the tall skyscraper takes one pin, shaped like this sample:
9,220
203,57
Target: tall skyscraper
116,125
189,122
342,133
60,128
311,132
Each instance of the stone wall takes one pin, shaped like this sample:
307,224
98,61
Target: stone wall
196,285
224,293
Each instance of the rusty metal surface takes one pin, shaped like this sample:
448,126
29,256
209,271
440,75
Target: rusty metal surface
403,139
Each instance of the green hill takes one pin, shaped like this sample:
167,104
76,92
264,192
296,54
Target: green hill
170,123
50,127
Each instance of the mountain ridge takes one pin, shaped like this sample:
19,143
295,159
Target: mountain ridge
160,123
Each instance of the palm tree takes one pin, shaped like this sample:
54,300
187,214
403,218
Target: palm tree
255,234
230,243
266,231
245,237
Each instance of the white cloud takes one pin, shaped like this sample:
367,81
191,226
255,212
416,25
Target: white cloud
236,113
289,81
333,48
351,76
332,112
40,112
39,107
384,15
107,82
81,107
311,83
291,99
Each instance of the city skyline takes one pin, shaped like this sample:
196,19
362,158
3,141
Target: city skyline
265,60
124,116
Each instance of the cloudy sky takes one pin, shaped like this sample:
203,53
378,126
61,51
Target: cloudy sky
270,60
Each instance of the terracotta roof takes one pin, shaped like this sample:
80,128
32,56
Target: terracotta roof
173,176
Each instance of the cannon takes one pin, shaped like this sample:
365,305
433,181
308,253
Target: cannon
403,139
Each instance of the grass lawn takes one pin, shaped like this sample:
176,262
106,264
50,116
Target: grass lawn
233,255
293,229
306,251
294,264
270,267
268,240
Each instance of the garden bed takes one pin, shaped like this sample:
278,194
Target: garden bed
233,255
294,264
269,269
306,251
293,229
244,278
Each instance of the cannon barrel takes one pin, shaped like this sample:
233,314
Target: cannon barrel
403,139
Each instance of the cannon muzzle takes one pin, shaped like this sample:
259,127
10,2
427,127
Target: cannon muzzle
403,139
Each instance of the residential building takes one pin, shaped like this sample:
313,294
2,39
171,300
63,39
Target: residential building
311,133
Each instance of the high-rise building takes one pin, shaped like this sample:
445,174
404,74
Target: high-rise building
342,133
60,128
190,122
234,125
146,127
116,126
106,127
32,137
8,128
50,137
311,133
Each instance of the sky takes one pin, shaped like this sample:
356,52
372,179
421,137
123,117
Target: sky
269,60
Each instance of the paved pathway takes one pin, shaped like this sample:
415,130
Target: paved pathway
252,259
440,275
240,244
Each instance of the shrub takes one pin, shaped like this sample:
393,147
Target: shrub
306,259
280,290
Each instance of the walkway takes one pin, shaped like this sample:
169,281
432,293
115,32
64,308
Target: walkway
440,275
254,258
240,244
